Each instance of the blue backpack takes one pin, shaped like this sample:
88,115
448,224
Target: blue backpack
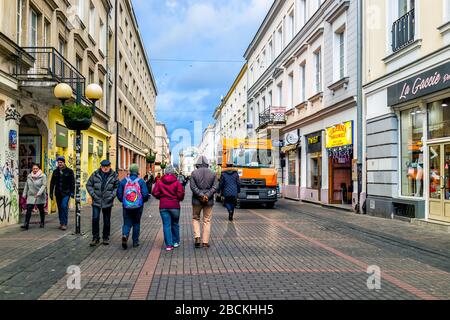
132,195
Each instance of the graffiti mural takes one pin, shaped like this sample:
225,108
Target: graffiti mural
9,203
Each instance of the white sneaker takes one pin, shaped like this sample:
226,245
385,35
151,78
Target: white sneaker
176,245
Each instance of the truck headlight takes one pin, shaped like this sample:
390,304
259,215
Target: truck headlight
272,193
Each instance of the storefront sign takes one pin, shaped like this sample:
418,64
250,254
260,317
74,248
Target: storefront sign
62,136
90,145
340,135
292,138
314,142
12,139
421,85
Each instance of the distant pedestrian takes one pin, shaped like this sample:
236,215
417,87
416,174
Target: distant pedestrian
62,185
102,187
230,187
170,192
35,193
204,185
149,181
133,193
158,177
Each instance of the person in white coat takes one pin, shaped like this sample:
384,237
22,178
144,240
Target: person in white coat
35,193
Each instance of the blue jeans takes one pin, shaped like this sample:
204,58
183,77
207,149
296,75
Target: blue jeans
132,219
171,227
63,210
96,222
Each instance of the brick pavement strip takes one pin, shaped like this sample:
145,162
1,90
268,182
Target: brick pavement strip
295,251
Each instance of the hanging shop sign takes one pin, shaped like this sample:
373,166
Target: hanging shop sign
62,136
292,138
421,85
314,141
339,135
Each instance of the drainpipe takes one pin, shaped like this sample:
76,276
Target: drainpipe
116,72
359,101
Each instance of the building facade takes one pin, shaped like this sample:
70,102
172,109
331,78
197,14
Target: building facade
406,93
136,99
231,114
188,157
302,95
162,147
207,146
43,43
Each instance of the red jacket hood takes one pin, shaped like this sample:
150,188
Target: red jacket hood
169,179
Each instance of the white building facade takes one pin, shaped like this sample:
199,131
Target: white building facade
207,146
302,94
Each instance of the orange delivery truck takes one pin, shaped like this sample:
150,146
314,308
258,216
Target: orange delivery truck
253,160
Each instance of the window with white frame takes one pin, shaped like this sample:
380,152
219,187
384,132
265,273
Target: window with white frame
33,28
80,9
303,82
19,21
404,6
270,99
318,70
103,35
264,61
280,94
279,40
339,52
302,13
291,90
269,53
290,26
92,20
47,33
446,10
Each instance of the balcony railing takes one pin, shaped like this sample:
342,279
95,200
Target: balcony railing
272,116
403,31
48,65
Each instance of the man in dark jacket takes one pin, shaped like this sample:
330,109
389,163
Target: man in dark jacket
62,185
230,187
204,185
102,187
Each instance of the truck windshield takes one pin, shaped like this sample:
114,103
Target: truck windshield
251,158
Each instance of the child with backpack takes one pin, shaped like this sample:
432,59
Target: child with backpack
133,193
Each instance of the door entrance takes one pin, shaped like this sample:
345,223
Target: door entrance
439,166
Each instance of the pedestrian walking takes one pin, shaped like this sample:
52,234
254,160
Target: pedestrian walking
230,187
204,185
133,194
35,193
158,177
149,181
170,193
62,185
102,187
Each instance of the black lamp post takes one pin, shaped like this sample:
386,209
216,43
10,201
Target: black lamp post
94,93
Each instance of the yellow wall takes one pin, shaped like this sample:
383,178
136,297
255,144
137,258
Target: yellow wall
429,15
89,163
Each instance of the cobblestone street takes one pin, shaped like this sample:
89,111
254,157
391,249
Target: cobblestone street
295,251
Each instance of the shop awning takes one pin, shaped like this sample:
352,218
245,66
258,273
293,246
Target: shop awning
289,148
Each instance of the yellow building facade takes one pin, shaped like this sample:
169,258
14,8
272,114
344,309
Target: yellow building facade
406,93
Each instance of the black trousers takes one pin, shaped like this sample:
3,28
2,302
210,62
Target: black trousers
96,222
30,208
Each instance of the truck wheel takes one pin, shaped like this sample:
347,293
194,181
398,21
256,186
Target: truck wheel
270,205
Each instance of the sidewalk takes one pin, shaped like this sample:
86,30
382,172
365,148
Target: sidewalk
295,251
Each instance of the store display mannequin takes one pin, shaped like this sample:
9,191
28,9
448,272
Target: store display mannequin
419,176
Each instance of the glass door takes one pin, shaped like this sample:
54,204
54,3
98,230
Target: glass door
439,170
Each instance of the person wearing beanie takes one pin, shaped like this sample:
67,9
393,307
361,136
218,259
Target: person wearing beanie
62,185
132,193
102,187
170,193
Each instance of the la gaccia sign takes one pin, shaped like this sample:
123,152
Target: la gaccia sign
340,135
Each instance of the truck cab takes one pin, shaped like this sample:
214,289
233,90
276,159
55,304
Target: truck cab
253,160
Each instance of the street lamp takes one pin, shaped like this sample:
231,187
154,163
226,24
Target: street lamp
94,93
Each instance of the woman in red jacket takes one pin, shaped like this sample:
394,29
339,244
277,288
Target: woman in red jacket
170,192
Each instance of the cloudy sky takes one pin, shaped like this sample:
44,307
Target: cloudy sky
213,35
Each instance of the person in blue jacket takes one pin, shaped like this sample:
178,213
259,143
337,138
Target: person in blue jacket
230,187
133,193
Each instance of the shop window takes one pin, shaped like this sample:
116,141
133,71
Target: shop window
412,152
291,168
439,119
314,160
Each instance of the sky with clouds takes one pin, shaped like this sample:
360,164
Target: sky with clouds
199,30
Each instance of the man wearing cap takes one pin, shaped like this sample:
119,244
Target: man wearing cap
62,185
102,187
